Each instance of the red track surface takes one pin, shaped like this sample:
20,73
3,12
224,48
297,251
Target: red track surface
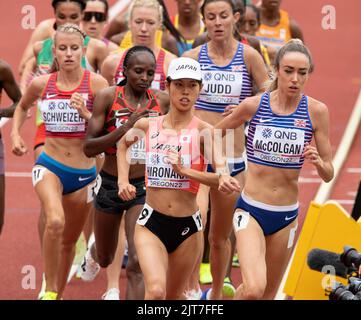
336,82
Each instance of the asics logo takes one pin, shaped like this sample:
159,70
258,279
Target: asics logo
185,231
49,96
84,178
265,120
290,218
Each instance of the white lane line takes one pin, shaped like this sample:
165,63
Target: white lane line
309,180
117,8
345,201
18,174
353,170
352,193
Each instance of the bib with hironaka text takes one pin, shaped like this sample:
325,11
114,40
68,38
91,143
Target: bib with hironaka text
160,172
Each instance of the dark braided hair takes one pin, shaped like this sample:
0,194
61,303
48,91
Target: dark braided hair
55,3
256,11
169,25
130,53
82,3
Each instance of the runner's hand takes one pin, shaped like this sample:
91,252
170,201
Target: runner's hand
19,147
229,109
311,154
77,102
175,159
127,191
228,184
134,117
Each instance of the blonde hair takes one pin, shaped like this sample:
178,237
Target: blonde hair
293,45
67,28
153,4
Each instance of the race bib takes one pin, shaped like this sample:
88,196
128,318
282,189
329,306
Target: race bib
59,116
161,174
137,152
278,145
221,87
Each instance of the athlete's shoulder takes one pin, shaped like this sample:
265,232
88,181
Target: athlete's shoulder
252,103
37,47
249,50
106,96
98,81
169,54
46,24
193,53
315,105
40,81
114,57
97,44
142,124
202,125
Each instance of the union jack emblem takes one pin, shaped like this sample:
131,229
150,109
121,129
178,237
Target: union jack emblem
236,68
300,123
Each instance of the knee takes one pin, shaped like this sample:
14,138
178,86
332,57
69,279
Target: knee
156,292
133,267
104,260
216,241
254,290
55,227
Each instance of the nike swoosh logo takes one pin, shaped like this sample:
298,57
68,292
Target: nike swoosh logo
265,120
121,113
84,179
290,218
49,96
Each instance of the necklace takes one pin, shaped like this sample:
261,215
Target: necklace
138,103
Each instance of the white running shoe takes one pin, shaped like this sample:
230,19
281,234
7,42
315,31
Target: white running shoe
80,250
89,268
72,272
111,294
193,294
43,287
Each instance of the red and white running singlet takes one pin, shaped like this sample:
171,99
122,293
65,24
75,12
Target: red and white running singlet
159,172
60,119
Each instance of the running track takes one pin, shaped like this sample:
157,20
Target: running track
336,81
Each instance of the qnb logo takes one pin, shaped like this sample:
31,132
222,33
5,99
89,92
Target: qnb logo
207,76
52,105
266,133
185,231
155,159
